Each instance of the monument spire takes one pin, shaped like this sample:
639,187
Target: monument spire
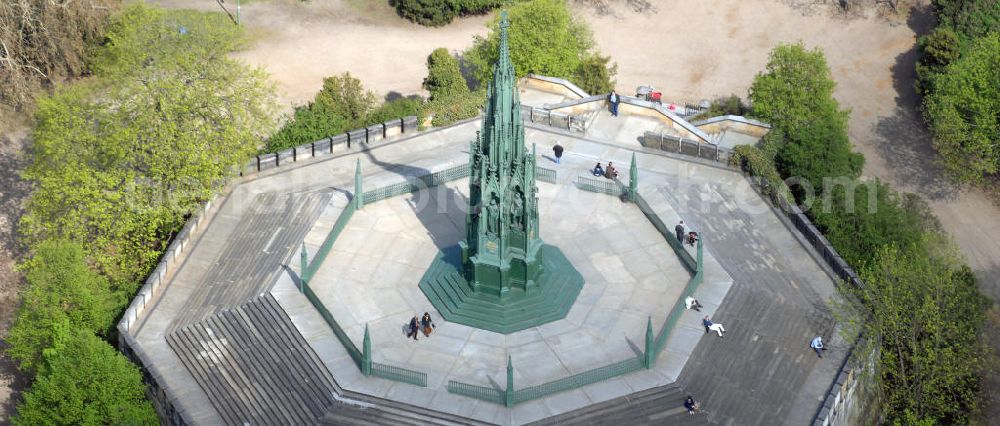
508,279
502,244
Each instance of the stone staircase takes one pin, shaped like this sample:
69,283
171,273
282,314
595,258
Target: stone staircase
663,405
450,293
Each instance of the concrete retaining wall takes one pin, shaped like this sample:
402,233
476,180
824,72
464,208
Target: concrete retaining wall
392,129
735,123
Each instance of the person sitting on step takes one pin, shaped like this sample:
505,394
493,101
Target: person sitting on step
598,170
610,171
693,303
692,238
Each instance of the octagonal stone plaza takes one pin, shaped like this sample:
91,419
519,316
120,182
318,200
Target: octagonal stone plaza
228,338
630,274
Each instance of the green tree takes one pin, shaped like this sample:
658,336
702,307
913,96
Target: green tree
342,104
143,36
970,18
925,314
937,50
398,108
595,74
436,13
544,39
85,381
859,218
444,77
795,94
60,288
964,112
118,163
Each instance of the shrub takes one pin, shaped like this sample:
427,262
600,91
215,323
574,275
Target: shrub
436,13
398,108
937,50
595,74
342,104
456,108
444,77
544,39
60,287
728,105
796,95
85,381
964,112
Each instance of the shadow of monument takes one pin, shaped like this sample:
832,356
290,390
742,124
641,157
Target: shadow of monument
443,206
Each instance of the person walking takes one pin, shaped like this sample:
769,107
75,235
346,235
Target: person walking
614,100
679,229
414,328
711,326
426,324
558,150
817,345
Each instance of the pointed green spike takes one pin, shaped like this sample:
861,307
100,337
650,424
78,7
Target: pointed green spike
649,343
366,354
304,267
633,180
509,396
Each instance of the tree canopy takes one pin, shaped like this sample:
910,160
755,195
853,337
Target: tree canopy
921,308
119,161
444,77
545,39
964,112
60,287
436,13
342,104
795,94
926,314
85,381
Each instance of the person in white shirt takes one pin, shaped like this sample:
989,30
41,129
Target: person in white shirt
817,345
693,303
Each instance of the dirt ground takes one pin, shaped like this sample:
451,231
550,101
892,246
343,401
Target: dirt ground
689,50
12,192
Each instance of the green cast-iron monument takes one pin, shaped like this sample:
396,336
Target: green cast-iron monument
507,278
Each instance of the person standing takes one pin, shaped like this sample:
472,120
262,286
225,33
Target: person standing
817,345
558,150
426,324
414,328
613,99
679,229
